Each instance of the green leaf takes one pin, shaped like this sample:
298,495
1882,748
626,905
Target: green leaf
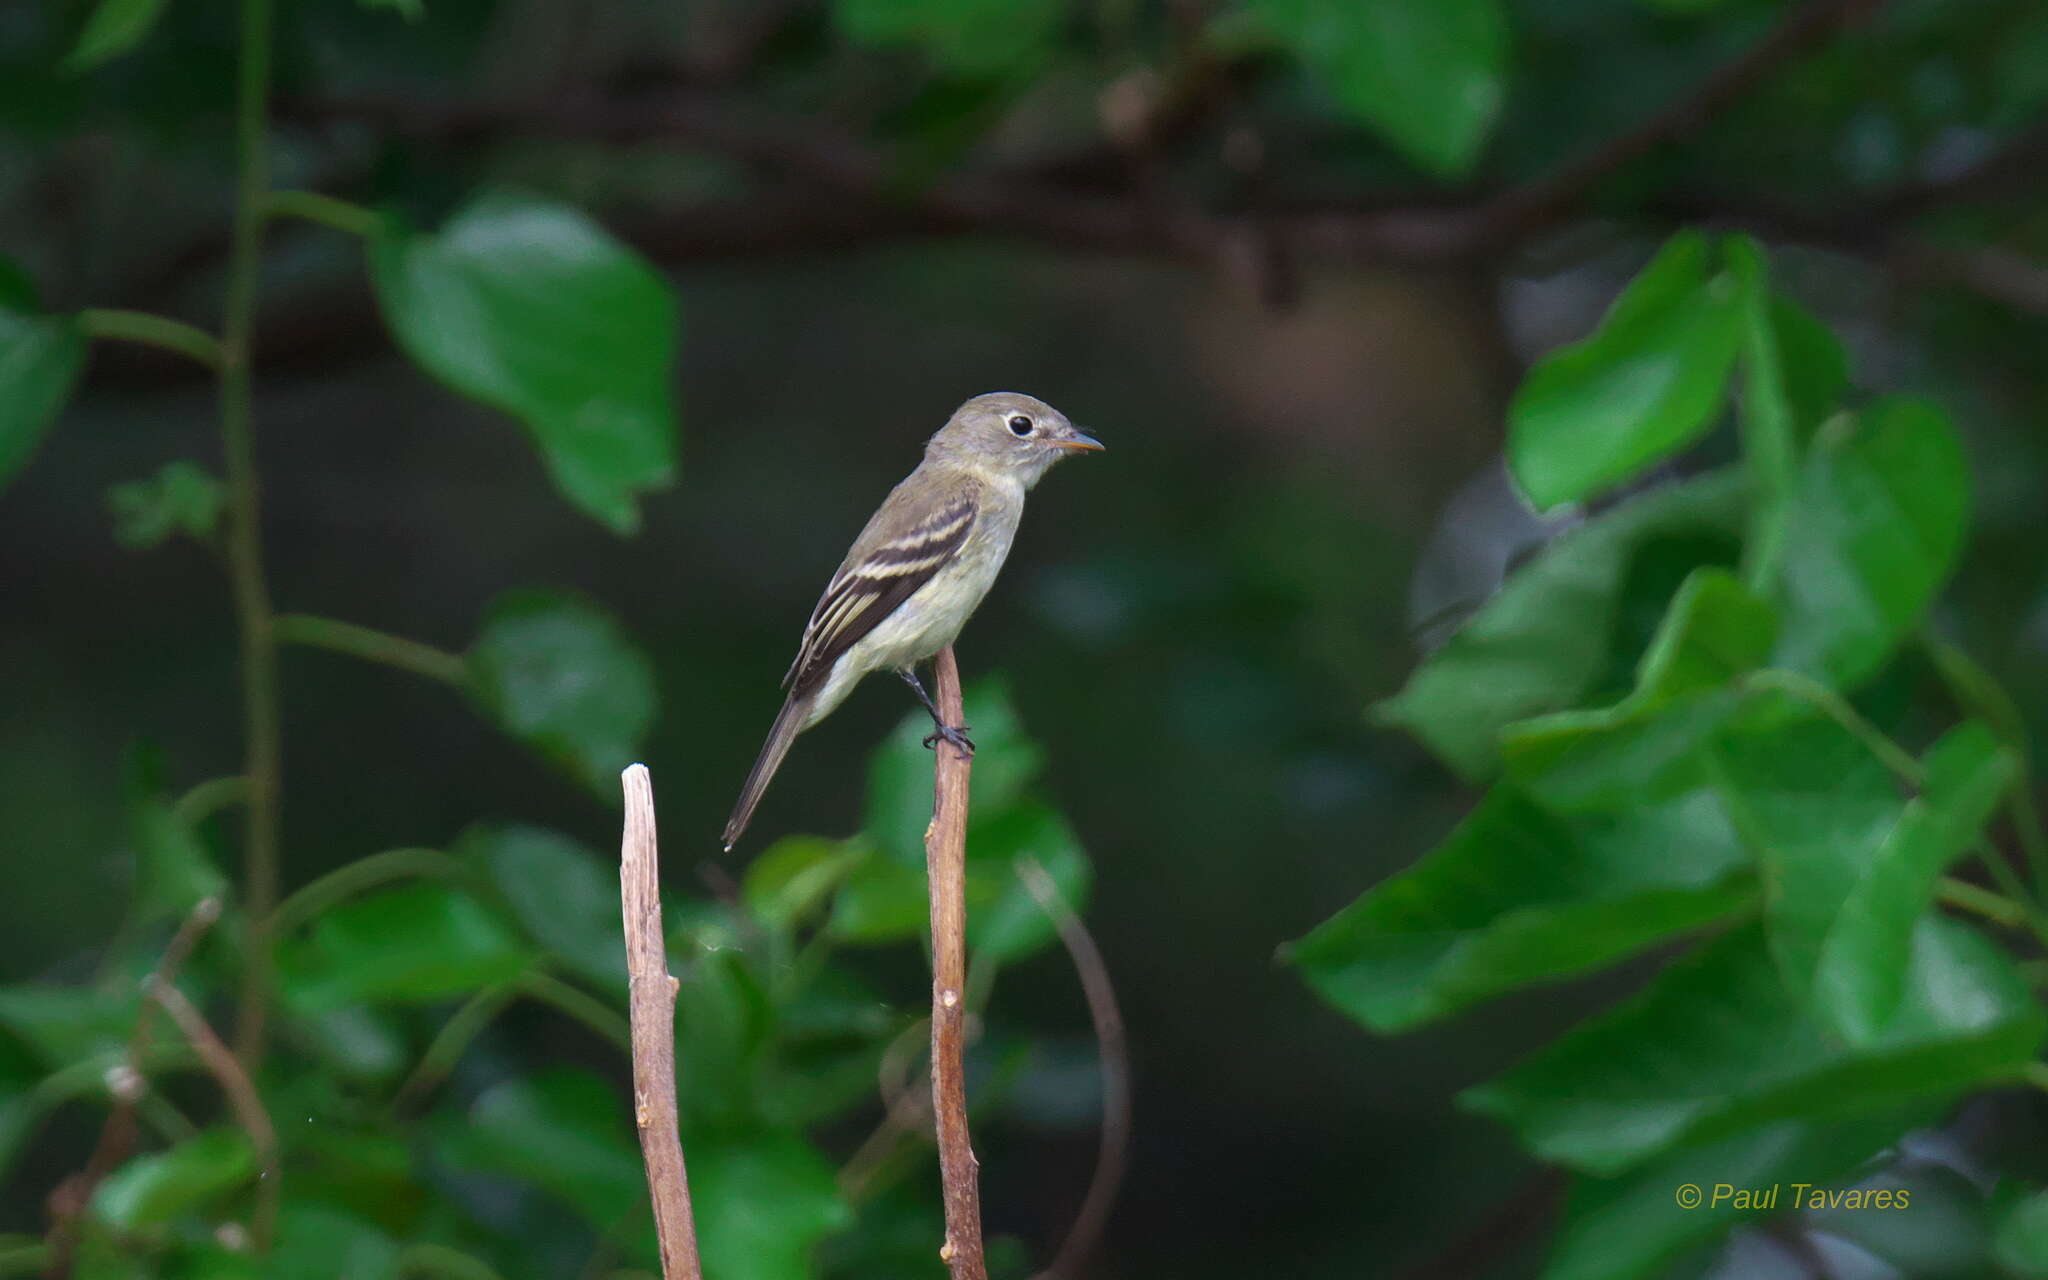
723,1022
174,869
883,900
795,875
1813,366
40,358
764,1200
560,892
1816,807
1518,895
1004,922
156,1188
1549,638
1651,743
1877,523
1717,1044
320,1242
2021,1243
1631,1227
181,498
1430,75
559,674
563,1131
535,310
420,941
116,26
69,1024
899,802
972,39
1648,382
1770,444
1861,969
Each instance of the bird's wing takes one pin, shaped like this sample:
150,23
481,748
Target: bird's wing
891,560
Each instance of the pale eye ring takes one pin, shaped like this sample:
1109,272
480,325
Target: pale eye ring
1020,425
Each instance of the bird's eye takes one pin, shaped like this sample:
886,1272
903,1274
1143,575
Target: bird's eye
1020,425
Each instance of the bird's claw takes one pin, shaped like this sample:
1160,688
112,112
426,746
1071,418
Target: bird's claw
955,734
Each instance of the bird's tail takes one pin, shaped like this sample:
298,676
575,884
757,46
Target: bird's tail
788,723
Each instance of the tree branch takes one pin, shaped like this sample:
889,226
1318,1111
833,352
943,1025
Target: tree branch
945,853
242,1098
653,1006
128,1085
1116,1071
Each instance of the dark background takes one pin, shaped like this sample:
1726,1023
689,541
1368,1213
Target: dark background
1192,623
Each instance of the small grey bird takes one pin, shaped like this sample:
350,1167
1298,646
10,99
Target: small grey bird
919,569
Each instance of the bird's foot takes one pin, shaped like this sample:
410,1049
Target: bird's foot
955,734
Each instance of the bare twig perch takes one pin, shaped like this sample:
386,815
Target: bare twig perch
945,856
1116,1072
243,1100
653,1004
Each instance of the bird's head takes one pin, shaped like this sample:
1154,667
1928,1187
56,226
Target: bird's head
1009,434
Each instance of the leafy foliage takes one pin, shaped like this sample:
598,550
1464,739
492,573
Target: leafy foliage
1730,785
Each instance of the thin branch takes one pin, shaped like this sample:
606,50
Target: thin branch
370,645
653,1006
128,1085
945,852
364,873
1546,199
262,721
242,1098
1996,908
311,206
209,798
161,332
576,1003
1116,1071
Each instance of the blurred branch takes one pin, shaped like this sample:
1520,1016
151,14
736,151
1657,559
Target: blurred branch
128,1085
154,331
653,1007
243,1100
347,881
370,645
825,189
1544,201
945,852
209,798
1116,1071
1524,1213
262,714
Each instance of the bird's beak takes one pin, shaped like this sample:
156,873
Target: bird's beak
1081,442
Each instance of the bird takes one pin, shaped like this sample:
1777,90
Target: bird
918,570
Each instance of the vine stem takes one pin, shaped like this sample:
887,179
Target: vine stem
945,853
370,645
263,736
152,331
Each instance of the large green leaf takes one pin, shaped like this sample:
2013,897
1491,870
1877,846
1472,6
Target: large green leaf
764,1200
535,310
1718,1043
1518,895
1876,524
116,26
1648,382
63,1025
40,358
174,871
1864,902
2022,1239
1650,744
973,39
319,1242
1548,639
1004,921
558,673
563,1131
420,941
1428,74
1633,1226
795,875
562,893
158,1187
